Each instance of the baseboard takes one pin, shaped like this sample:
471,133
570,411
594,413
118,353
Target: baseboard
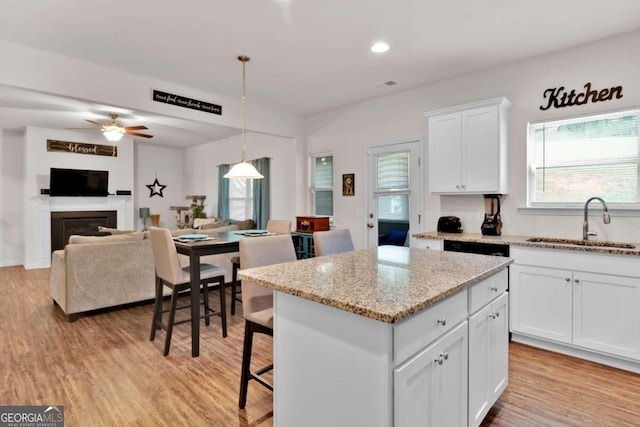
570,350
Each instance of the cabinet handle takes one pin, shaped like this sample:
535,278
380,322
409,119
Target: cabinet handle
576,280
457,186
439,360
442,322
494,289
567,279
446,356
463,186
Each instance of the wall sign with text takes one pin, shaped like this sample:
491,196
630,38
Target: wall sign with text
558,97
183,101
80,148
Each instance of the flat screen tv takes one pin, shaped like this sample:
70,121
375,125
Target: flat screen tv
78,182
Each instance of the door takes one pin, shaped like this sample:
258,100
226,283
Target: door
430,389
394,192
606,313
541,302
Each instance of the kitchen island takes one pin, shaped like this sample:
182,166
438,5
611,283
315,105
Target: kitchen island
388,336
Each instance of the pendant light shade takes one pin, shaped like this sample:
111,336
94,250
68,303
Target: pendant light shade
244,170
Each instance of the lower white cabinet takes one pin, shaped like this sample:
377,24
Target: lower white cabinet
606,313
542,301
430,389
488,357
422,243
592,306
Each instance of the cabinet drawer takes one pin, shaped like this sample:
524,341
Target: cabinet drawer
490,288
418,331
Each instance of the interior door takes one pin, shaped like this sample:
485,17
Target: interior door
394,192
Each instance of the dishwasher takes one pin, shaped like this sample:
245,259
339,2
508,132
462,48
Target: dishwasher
495,249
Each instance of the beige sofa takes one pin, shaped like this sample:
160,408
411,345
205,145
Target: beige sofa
94,272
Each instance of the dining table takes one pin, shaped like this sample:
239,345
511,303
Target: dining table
216,243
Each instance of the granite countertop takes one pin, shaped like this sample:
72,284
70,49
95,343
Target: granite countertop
387,284
551,243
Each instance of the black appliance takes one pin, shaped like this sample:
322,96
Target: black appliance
492,224
449,224
78,182
495,249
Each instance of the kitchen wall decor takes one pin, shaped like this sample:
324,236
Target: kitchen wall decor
559,98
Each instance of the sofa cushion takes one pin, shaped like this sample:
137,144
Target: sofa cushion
134,236
180,232
207,223
114,230
246,224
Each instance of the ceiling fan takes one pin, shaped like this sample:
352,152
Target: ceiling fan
114,131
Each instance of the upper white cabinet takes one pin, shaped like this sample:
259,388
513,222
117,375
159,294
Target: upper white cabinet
467,148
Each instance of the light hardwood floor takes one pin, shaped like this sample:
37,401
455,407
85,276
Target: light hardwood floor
106,372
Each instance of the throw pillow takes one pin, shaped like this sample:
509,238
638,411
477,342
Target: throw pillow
207,223
128,237
114,230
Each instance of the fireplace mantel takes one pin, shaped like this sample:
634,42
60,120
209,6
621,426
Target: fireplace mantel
47,204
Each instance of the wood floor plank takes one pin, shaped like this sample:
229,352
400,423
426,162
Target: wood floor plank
106,372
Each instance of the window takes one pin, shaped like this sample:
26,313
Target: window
392,186
240,199
323,185
571,160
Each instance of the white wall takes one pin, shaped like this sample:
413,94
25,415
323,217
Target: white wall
201,169
35,176
167,164
346,132
11,189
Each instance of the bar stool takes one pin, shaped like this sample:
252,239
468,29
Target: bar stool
332,242
279,226
257,301
169,273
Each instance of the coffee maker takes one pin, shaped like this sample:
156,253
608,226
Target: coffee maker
492,224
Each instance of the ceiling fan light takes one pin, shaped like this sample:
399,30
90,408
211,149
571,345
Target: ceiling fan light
244,170
113,135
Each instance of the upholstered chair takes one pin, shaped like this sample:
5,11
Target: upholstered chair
257,301
279,226
170,273
332,242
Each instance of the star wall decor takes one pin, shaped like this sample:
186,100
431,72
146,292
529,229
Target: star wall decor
156,188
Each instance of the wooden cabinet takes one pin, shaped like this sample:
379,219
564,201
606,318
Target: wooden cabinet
488,357
467,148
430,389
591,307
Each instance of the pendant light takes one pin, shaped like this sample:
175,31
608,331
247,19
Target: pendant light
244,170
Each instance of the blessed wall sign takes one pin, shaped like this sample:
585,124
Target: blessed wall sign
80,148
558,97
183,101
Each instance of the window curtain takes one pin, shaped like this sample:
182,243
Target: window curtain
261,193
223,191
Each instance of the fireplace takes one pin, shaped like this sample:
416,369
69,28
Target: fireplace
65,224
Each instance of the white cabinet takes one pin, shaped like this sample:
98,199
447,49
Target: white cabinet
430,389
488,357
422,243
467,148
591,308
542,301
606,313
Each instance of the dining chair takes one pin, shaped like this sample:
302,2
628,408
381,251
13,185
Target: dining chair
279,226
332,242
257,301
170,273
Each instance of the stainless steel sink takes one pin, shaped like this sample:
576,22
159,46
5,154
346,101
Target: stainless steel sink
581,242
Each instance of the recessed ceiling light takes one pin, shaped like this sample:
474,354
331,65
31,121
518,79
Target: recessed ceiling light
380,47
